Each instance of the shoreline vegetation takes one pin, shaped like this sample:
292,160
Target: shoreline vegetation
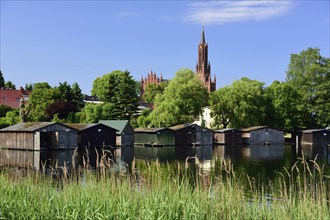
152,190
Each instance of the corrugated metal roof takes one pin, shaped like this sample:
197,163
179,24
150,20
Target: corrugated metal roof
119,125
227,130
178,127
28,126
253,128
315,130
149,130
79,127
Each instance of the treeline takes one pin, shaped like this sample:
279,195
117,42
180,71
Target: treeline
301,101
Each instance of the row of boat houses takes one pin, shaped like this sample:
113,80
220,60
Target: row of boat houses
112,133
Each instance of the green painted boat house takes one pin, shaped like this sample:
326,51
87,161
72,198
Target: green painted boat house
154,137
125,131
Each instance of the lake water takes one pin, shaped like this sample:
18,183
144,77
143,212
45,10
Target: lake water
259,161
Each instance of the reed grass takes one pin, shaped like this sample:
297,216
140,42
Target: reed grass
163,191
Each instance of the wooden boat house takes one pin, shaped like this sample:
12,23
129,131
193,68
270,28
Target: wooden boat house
228,136
262,135
125,131
192,134
38,136
95,135
315,137
154,137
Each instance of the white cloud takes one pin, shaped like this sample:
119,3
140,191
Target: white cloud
126,14
221,12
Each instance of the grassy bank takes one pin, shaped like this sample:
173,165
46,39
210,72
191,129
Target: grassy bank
154,191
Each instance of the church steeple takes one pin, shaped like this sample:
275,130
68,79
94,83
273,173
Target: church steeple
203,66
203,35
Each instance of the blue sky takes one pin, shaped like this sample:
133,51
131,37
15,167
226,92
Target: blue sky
78,41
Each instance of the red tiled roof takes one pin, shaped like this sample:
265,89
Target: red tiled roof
12,97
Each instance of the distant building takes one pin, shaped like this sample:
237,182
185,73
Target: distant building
154,137
152,78
205,117
38,136
315,137
125,131
228,136
192,134
12,97
262,135
91,99
203,66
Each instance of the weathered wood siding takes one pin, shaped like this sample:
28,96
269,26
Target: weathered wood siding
230,137
16,140
321,137
162,137
60,136
194,134
127,136
21,158
98,136
266,136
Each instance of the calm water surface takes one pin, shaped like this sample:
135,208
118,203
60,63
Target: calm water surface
258,161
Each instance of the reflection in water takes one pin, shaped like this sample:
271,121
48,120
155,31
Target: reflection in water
253,160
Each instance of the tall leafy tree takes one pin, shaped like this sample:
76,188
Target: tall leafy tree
221,107
286,106
243,104
41,97
152,90
181,101
308,74
119,89
10,85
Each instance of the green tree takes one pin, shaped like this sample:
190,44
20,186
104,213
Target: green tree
4,109
243,104
152,90
10,85
286,106
119,89
308,74
2,80
12,117
181,101
221,107
41,97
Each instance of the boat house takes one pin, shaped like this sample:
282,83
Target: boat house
315,137
38,136
95,135
262,135
228,136
192,134
154,137
125,131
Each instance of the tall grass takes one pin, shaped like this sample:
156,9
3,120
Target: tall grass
163,191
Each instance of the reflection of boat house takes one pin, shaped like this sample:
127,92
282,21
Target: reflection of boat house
192,134
228,136
315,137
125,132
262,135
38,136
154,136
95,135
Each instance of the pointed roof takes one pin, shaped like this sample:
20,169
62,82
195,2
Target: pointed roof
119,125
203,35
31,126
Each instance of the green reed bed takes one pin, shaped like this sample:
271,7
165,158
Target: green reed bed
157,191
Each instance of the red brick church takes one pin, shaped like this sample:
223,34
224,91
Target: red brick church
203,67
203,70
